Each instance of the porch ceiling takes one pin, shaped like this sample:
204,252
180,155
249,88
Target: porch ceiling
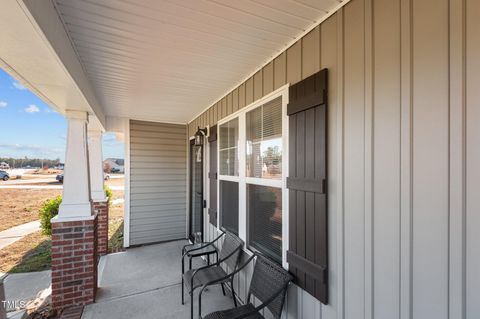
168,60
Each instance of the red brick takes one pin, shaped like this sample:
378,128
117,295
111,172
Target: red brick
73,277
102,211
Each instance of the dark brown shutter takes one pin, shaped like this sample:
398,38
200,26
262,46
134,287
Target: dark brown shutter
212,176
307,184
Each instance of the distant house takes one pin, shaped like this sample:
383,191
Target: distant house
4,165
114,165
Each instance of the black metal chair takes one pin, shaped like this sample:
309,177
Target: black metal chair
213,274
198,250
269,284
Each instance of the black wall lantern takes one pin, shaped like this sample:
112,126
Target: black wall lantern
199,136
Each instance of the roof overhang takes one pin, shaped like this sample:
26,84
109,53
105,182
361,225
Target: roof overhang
37,52
147,60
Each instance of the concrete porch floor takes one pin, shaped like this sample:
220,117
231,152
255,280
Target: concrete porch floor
145,282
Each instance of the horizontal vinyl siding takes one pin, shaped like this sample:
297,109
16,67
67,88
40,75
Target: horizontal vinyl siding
158,168
404,154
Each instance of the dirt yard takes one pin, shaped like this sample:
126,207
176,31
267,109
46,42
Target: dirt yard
20,206
115,182
49,171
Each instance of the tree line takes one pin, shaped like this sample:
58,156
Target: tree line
32,162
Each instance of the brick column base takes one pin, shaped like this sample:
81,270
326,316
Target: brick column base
100,208
74,267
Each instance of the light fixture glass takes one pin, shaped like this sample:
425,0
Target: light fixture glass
199,136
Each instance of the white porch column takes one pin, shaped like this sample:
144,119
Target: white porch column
76,185
96,165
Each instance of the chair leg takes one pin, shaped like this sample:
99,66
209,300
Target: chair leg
183,291
223,289
191,304
233,294
200,305
183,272
183,265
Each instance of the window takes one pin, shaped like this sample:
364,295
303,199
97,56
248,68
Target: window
253,200
228,155
264,141
229,148
229,206
263,161
264,211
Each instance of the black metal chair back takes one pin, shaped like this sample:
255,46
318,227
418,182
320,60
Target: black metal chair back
268,280
230,250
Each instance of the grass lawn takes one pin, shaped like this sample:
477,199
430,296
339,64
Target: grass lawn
115,224
20,206
115,235
31,253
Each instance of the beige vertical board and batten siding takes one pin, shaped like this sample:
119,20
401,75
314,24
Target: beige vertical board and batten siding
406,189
249,91
268,78
158,168
430,159
294,63
354,145
311,53
280,71
457,151
258,85
328,53
386,155
235,100
404,154
471,222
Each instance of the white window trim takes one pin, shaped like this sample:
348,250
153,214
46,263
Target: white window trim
242,180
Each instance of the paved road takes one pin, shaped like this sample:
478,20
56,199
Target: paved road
32,186
113,188
13,234
29,181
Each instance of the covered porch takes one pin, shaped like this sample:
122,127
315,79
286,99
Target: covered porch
341,138
145,282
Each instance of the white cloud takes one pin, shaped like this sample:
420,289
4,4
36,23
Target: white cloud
19,86
3,104
32,108
49,110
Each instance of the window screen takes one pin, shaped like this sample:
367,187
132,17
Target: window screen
264,209
229,206
229,148
264,141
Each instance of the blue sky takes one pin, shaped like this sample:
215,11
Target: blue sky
29,127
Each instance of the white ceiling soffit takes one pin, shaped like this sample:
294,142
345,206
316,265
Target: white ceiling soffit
168,60
26,55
